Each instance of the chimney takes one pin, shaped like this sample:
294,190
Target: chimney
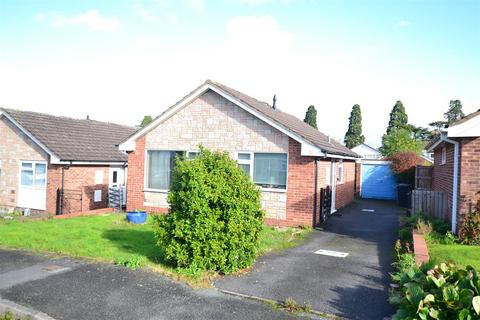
88,117
274,102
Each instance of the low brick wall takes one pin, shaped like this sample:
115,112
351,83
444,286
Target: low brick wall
84,213
420,248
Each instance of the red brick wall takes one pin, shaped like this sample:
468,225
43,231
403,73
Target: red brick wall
469,182
345,190
442,175
135,185
79,184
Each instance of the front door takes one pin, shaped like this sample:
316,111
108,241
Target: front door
117,177
333,184
32,190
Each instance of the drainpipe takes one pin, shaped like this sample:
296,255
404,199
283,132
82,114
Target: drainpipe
62,192
455,182
315,185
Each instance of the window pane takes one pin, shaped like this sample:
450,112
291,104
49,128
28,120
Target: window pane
192,154
245,168
27,165
159,166
40,169
27,178
270,170
244,156
114,177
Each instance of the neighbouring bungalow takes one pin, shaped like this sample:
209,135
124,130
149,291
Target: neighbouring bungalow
288,159
40,154
456,167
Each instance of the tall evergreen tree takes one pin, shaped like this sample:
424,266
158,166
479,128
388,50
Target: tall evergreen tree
145,121
311,116
354,135
398,118
454,112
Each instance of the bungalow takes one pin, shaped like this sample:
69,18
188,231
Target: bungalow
456,167
41,155
288,159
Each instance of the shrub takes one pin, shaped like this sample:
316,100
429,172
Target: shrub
215,215
438,292
133,263
470,230
403,165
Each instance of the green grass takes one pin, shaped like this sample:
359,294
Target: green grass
110,238
461,254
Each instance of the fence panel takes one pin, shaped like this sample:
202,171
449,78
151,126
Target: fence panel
431,203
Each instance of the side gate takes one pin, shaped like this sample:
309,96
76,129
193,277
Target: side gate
323,210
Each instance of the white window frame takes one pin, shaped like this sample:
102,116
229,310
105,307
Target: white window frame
251,162
97,196
145,173
244,161
443,155
34,169
341,172
189,152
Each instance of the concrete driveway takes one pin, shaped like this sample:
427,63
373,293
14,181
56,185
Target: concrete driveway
72,289
354,287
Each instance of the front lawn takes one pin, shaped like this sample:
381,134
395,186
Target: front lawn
462,255
110,238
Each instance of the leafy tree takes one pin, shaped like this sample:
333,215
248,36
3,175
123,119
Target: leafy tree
420,133
438,125
454,112
354,135
398,118
400,140
403,165
146,120
215,216
311,116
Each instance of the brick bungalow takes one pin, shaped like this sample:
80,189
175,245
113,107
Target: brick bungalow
456,167
38,151
287,158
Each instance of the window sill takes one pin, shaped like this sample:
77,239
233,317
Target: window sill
273,190
155,190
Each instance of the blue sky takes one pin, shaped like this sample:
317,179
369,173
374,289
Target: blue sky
119,60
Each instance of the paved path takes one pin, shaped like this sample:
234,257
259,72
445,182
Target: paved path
69,289
354,287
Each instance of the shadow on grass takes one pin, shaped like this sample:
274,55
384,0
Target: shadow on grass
136,242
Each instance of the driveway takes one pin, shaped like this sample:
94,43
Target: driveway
73,289
354,287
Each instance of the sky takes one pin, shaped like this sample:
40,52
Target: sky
119,60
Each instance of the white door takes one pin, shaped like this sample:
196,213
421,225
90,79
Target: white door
117,177
32,190
333,184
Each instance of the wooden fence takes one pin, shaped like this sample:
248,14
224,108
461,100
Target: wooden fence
423,177
431,203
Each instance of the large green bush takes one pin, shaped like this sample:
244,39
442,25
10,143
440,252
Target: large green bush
441,292
215,215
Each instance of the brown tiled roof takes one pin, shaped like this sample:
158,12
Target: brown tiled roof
290,122
466,118
432,141
75,139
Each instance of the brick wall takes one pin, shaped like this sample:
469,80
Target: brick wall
15,146
442,174
135,177
469,183
80,186
345,191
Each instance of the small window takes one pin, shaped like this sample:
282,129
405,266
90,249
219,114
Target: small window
191,154
340,172
97,196
443,159
114,177
245,162
33,174
270,170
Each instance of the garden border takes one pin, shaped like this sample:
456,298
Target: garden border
420,248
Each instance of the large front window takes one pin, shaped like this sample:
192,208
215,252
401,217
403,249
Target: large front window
160,167
268,170
33,174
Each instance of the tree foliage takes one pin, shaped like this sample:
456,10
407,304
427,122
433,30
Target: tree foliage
454,111
311,116
145,121
420,133
400,140
354,135
398,118
215,216
403,165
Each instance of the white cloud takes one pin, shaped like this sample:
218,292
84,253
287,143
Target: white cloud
146,14
254,2
172,18
404,23
39,17
91,19
196,5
